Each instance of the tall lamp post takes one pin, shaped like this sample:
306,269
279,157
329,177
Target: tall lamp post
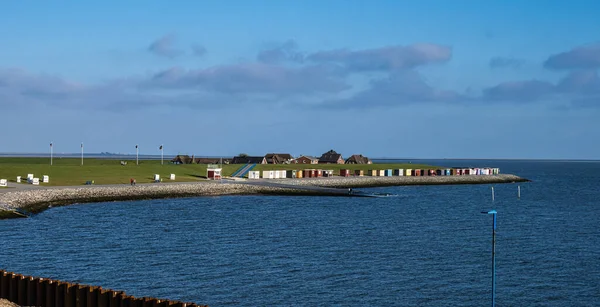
50,153
161,154
137,152
493,212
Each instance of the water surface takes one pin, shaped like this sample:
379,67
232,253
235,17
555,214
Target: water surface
429,246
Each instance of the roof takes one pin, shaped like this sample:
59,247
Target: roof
285,156
183,159
247,159
308,157
330,156
358,159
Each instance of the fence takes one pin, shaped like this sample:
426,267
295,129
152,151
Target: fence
33,291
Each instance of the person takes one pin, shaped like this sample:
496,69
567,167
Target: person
349,190
131,181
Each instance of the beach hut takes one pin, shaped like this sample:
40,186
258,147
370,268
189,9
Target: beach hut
408,172
359,172
213,173
35,181
345,172
45,179
18,179
3,182
380,173
417,172
399,172
268,174
172,177
389,172
438,172
29,177
276,175
372,172
291,174
432,172
319,173
299,174
253,175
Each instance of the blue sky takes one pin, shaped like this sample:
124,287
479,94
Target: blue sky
419,79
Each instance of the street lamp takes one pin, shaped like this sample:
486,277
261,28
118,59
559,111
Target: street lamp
493,212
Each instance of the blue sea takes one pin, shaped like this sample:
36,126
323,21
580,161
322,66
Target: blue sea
429,246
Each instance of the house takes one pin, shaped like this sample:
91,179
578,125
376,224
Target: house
248,159
331,157
358,159
183,159
307,160
278,158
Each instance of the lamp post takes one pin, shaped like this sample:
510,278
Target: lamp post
137,152
50,153
161,154
493,212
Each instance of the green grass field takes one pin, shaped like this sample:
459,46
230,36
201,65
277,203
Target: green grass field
69,171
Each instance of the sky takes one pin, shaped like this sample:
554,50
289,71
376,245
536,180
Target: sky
403,79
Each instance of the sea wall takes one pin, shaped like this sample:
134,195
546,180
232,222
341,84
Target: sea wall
369,181
20,203
35,291
37,200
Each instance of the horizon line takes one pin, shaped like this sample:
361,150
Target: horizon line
106,154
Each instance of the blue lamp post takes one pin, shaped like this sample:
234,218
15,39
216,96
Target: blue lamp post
493,212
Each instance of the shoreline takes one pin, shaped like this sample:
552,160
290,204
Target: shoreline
21,203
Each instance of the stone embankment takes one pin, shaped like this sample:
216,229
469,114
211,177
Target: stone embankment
368,181
22,202
33,201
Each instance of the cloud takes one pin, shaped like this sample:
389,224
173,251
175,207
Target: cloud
522,91
582,57
583,82
198,50
577,87
508,62
400,88
286,52
586,102
165,46
389,58
252,78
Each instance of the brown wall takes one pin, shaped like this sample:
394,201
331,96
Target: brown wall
32,291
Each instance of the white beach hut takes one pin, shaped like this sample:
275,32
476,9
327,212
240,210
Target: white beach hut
268,174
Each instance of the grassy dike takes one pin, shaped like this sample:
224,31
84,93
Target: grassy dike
70,172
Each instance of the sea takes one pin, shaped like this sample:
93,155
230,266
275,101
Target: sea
424,246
